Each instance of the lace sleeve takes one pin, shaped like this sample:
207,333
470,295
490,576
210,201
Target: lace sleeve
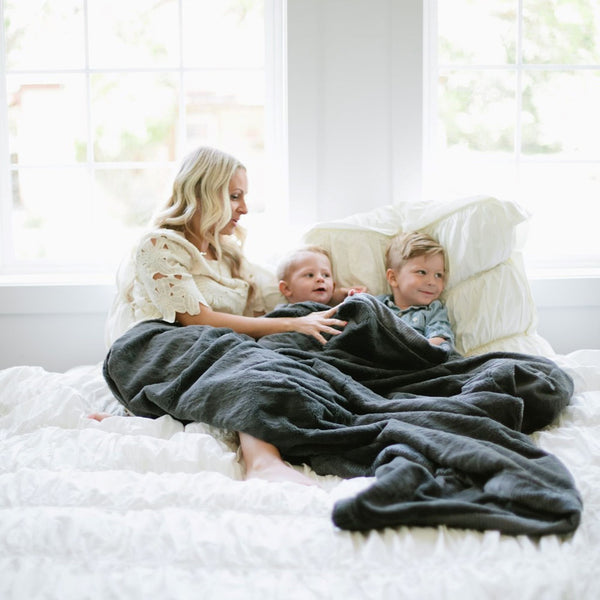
163,268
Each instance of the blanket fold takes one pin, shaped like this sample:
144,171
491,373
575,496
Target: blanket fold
444,435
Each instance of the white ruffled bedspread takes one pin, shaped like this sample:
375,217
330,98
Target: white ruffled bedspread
133,508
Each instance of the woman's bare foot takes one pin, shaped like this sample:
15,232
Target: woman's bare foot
277,470
99,416
263,461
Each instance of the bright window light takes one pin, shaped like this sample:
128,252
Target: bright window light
101,99
514,91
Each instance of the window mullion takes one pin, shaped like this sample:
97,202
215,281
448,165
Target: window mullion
90,166
276,133
88,82
182,121
431,74
519,87
6,233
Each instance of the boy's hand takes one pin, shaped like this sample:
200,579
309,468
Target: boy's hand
340,293
359,289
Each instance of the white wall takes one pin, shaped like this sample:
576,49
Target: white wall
568,312
355,122
354,105
53,326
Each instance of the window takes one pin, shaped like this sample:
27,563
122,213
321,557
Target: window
101,99
514,93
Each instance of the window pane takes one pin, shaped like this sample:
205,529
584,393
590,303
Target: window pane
124,201
470,174
97,126
47,120
51,215
542,151
477,111
135,33
559,32
226,109
560,114
492,41
44,34
228,33
134,116
564,205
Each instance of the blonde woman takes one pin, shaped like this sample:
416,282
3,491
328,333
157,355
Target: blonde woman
190,270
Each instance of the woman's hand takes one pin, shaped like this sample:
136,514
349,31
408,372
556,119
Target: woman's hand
314,323
317,323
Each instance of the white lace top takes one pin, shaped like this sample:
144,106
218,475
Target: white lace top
167,274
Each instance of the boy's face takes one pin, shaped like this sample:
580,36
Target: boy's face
309,279
418,282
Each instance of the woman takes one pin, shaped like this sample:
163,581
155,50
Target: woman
190,269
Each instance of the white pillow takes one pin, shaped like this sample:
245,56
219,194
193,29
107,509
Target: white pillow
491,306
477,233
487,293
358,256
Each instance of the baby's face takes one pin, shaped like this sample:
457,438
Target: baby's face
310,279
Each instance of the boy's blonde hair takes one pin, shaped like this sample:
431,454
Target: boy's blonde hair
408,245
289,263
203,184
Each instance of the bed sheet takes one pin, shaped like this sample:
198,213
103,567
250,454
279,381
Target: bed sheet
138,508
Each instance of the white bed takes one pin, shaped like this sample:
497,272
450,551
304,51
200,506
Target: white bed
133,508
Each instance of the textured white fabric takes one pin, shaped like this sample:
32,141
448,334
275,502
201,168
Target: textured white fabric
167,274
172,275
133,508
487,293
477,233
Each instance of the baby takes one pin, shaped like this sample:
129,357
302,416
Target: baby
306,274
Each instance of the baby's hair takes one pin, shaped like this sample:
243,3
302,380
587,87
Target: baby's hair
408,245
289,263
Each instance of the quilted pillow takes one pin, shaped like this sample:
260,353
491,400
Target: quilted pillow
487,293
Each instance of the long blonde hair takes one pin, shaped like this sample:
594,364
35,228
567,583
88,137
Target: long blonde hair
202,184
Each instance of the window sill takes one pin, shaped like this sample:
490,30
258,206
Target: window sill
565,291
35,297
56,279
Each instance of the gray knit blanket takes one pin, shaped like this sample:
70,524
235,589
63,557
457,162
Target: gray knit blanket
445,436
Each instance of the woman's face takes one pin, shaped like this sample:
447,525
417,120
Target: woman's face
238,188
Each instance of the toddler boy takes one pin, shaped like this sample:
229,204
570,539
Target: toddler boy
415,270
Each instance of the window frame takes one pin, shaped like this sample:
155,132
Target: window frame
19,271
586,266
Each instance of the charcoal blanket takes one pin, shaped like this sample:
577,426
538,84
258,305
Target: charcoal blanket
445,436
